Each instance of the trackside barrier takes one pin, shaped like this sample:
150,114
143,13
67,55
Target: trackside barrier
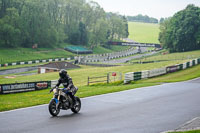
145,74
187,64
198,61
128,77
23,87
191,63
53,83
134,76
35,62
184,65
91,58
28,86
156,72
173,68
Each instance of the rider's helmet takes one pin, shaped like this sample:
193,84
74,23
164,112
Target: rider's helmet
63,73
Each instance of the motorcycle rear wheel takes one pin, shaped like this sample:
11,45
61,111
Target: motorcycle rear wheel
77,106
52,108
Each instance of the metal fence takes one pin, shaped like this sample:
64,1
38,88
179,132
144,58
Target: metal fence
99,79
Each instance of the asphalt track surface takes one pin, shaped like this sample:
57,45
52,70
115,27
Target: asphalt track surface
124,60
144,110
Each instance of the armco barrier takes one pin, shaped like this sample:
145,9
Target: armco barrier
184,65
145,74
191,64
180,66
128,77
53,83
198,61
187,64
156,72
133,76
137,75
173,68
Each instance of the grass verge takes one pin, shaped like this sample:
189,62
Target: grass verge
27,99
172,56
80,75
187,74
194,131
8,55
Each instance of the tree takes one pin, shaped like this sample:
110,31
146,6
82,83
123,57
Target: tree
52,22
161,20
141,18
126,34
83,34
181,32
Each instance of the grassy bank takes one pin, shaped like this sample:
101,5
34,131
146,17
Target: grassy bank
172,56
144,32
194,131
182,75
80,75
9,55
26,99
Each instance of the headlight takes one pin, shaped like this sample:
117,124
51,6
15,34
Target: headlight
55,90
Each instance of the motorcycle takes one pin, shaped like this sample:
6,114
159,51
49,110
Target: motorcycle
62,100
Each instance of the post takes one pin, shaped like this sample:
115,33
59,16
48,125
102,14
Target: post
107,78
88,80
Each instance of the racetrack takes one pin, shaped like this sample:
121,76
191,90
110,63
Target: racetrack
143,110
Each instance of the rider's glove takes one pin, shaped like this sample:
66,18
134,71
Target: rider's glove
51,90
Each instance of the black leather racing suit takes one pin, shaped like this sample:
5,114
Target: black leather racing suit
68,84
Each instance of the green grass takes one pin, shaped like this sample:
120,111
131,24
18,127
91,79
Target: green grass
194,131
26,99
143,32
20,66
182,75
173,56
80,75
10,55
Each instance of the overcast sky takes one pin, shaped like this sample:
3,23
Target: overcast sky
152,8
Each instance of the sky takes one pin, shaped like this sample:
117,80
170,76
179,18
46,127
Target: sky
152,8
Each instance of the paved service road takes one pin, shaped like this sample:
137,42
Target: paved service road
17,70
144,110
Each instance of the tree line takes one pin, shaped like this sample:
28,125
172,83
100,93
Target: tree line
182,31
141,18
49,23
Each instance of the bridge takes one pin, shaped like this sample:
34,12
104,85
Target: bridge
136,44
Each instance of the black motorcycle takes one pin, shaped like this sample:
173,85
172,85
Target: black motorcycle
62,100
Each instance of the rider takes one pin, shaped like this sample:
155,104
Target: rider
68,84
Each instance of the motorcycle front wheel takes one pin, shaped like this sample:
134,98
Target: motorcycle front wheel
52,108
77,106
